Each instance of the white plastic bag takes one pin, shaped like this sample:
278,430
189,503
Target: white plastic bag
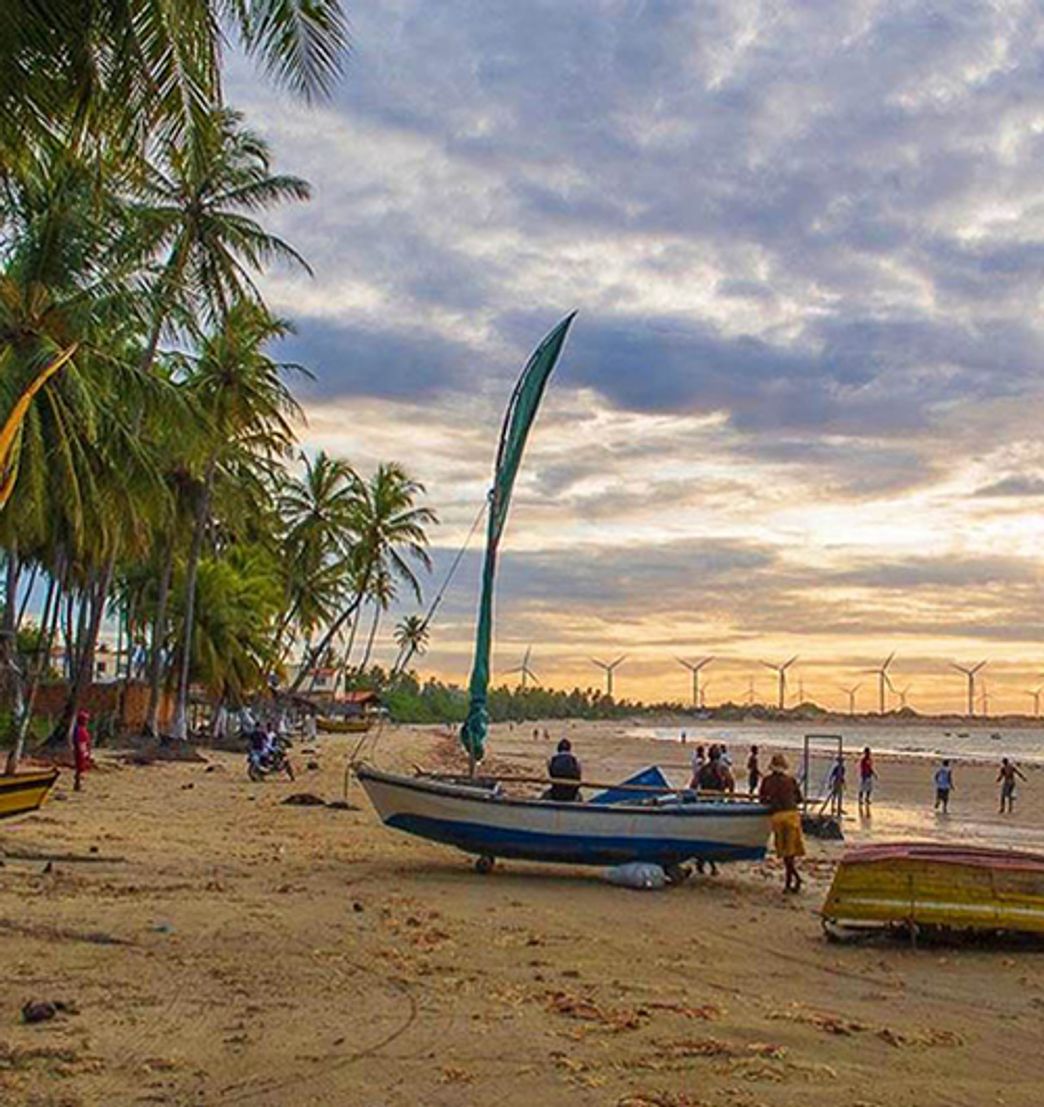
643,875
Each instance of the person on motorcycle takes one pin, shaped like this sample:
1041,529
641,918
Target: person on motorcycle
258,747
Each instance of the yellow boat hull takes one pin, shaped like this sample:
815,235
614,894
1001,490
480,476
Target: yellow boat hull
24,792
342,726
944,886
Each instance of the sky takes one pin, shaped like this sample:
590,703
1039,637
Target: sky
799,410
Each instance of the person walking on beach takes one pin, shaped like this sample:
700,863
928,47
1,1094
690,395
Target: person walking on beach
1009,771
867,776
753,771
781,794
81,749
943,786
836,786
562,768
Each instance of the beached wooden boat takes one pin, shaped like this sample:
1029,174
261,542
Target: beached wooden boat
331,724
479,818
932,885
24,792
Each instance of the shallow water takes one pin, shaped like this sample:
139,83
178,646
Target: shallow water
974,743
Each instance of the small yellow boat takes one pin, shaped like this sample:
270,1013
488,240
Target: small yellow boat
23,792
925,884
331,724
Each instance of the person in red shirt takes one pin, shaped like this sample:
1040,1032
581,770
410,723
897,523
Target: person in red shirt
867,776
81,748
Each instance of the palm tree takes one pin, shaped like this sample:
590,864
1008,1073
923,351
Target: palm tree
249,407
411,636
195,209
126,68
390,529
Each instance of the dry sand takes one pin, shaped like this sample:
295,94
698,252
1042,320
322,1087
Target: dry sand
220,947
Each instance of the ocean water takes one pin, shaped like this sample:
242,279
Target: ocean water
968,743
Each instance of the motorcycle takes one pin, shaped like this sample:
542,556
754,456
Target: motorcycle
274,760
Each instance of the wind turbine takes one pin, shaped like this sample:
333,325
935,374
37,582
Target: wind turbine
703,695
526,673
970,674
750,691
609,666
882,681
902,693
984,699
851,692
1036,701
782,671
694,667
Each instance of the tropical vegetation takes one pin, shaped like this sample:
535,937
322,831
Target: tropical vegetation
150,472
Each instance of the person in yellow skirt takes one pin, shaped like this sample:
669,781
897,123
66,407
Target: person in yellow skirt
781,794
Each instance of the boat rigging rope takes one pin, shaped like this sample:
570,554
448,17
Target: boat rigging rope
449,577
353,759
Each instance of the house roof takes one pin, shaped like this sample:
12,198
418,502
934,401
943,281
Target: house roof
365,696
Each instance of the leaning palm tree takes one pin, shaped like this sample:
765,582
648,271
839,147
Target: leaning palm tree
391,534
249,408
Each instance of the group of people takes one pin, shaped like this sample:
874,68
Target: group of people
780,791
1007,777
712,770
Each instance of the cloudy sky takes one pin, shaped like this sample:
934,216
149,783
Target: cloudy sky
800,409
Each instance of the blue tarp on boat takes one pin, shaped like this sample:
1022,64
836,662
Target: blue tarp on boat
650,777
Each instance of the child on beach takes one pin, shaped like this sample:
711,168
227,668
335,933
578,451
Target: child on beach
1006,779
836,786
867,776
81,749
943,786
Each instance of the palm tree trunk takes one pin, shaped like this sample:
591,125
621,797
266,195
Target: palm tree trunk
377,611
328,637
20,618
48,628
10,682
180,726
342,671
91,611
159,632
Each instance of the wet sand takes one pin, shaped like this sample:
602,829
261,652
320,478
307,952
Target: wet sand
221,947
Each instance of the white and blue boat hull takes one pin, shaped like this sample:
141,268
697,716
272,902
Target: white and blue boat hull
480,821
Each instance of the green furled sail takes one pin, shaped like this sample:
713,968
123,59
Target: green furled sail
518,419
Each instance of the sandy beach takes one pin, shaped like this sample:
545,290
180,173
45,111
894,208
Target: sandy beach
216,946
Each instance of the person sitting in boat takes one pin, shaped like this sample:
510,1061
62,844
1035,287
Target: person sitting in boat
781,794
564,767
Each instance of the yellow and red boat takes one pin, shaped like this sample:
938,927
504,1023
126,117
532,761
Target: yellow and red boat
24,792
924,884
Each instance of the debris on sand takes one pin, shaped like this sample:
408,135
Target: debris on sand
43,1010
586,1009
304,799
